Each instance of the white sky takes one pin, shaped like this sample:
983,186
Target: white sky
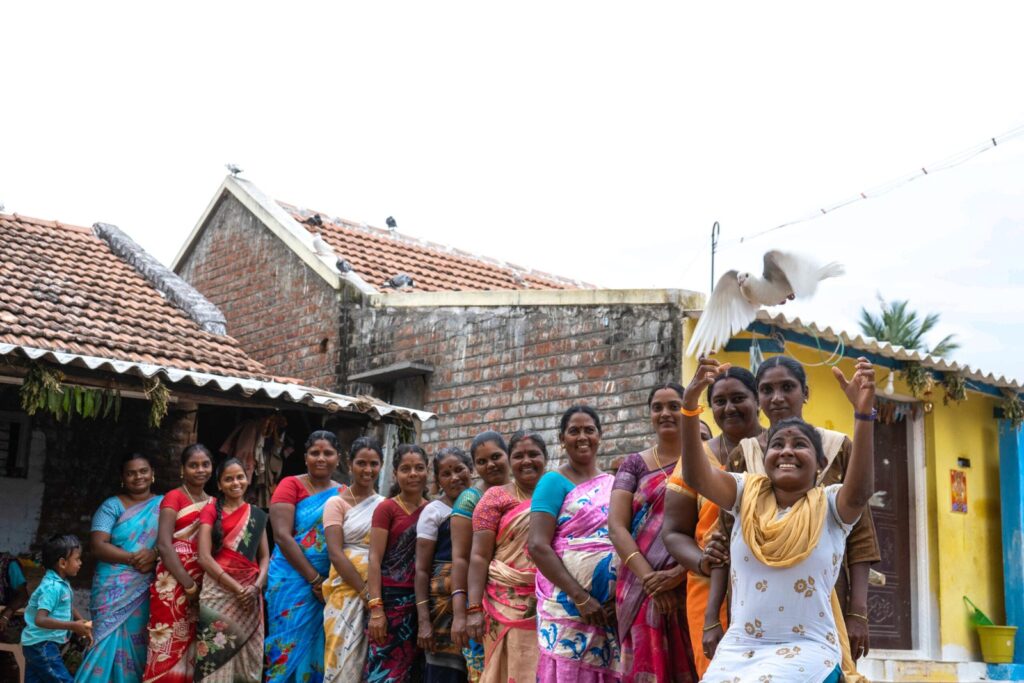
588,139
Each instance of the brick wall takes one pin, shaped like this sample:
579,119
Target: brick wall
508,368
281,312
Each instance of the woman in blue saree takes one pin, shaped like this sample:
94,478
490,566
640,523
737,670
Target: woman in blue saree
295,602
123,539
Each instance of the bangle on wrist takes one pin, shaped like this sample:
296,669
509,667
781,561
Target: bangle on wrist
687,412
581,604
862,617
473,609
713,626
866,417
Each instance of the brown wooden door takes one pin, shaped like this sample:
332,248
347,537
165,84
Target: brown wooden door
889,606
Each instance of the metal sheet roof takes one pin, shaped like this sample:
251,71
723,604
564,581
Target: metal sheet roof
294,393
887,350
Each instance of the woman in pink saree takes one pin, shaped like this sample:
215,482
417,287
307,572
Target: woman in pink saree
650,600
502,575
576,563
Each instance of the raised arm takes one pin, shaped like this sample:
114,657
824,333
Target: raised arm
716,485
859,483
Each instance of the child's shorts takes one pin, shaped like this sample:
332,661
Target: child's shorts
43,664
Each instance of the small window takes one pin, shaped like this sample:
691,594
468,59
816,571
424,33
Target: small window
14,434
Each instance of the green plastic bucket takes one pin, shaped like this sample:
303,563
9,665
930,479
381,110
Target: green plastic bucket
997,643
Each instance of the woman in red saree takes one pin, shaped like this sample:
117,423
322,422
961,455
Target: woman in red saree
650,596
235,554
174,596
502,575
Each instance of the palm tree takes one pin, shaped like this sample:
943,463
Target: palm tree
898,325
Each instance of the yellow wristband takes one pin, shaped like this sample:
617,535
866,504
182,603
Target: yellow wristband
692,413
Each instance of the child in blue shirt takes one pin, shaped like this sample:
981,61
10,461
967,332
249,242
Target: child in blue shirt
48,617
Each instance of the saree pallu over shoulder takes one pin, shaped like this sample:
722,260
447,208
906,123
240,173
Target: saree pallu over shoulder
170,657
344,610
510,602
295,633
654,646
569,648
229,642
119,604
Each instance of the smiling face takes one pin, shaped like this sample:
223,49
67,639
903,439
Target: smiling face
233,482
581,439
137,476
780,394
734,408
321,459
197,470
491,463
411,473
365,467
528,463
452,476
791,461
665,416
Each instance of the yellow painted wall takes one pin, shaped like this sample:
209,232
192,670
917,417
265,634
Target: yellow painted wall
965,549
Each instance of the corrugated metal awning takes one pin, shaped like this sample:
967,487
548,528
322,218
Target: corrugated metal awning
276,390
887,350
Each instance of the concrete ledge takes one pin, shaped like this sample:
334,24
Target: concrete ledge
541,297
1006,672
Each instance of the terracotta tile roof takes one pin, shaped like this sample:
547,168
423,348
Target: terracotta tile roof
376,256
62,289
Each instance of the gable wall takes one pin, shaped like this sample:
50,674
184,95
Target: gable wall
278,309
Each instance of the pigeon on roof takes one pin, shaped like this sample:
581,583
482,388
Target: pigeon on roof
398,281
233,169
321,247
343,266
738,296
315,219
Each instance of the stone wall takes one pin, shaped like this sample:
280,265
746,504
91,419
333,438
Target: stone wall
283,314
520,367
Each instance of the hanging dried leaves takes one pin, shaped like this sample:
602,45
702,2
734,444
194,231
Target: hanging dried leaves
1013,408
159,396
44,389
918,379
954,385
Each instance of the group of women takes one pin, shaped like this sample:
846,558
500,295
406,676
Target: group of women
533,573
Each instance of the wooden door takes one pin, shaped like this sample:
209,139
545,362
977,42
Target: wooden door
889,606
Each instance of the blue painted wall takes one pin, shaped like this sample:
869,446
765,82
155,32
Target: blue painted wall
1011,485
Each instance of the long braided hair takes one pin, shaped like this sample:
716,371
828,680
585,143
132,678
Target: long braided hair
217,533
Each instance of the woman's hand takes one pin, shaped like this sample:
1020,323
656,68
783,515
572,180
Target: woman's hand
707,371
860,389
249,595
318,590
668,603
475,626
709,641
857,629
459,635
378,626
592,612
716,552
664,580
425,635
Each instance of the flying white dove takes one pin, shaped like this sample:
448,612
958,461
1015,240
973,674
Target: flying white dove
738,297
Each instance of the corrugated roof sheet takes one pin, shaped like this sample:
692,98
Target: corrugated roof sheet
887,350
246,386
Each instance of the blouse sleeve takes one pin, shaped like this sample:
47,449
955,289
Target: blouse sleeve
629,474
15,576
466,503
334,511
830,494
174,500
383,514
488,512
106,515
550,494
741,479
431,519
288,491
676,482
208,516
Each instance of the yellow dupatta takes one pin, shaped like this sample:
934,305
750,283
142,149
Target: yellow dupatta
788,540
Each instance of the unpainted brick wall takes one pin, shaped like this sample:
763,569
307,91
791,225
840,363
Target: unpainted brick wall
509,368
282,313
